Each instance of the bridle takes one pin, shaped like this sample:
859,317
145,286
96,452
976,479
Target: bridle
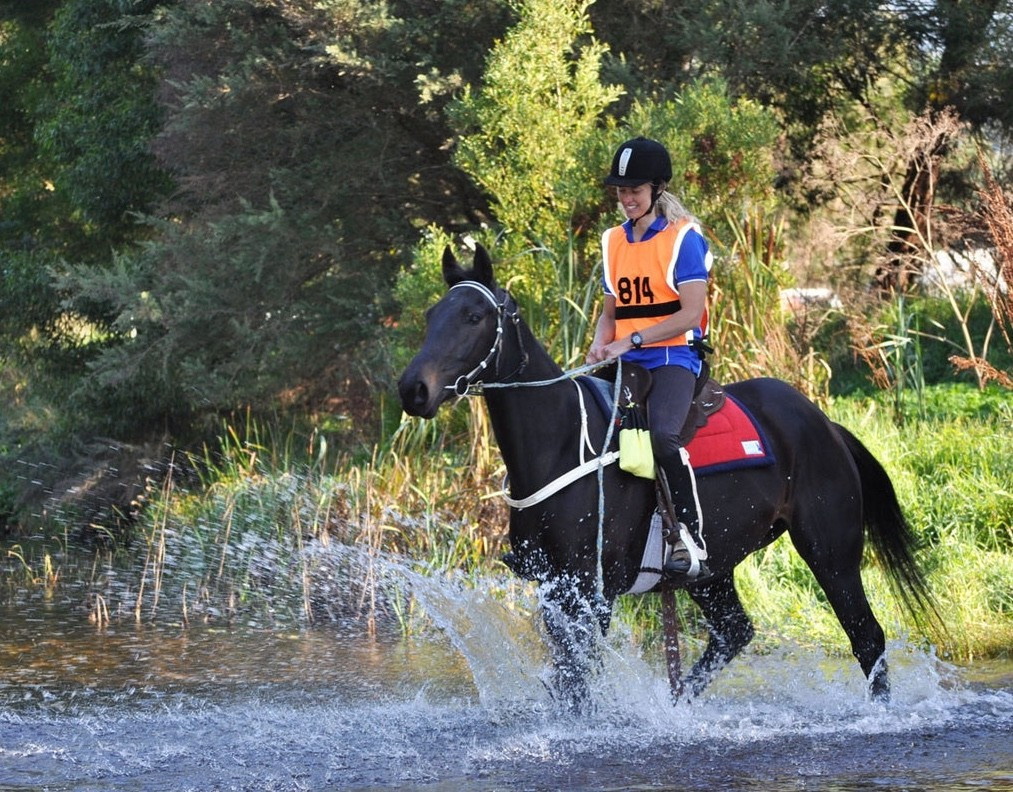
468,383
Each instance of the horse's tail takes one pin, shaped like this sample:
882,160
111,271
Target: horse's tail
891,536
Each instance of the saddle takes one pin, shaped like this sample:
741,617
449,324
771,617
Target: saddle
636,381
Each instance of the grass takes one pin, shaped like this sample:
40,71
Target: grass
954,476
283,538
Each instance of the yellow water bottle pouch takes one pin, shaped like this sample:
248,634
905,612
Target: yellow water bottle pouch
635,453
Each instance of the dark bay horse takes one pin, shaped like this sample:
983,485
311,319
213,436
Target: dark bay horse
822,489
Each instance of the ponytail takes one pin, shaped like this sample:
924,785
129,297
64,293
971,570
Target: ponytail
671,208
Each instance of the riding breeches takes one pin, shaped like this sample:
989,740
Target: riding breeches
667,407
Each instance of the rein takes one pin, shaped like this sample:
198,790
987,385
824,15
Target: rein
467,385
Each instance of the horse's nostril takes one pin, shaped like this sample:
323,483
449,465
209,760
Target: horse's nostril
414,394
421,393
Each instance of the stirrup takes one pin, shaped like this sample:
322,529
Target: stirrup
686,560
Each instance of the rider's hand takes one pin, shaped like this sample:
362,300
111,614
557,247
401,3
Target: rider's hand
596,354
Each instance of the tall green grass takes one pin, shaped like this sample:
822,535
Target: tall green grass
239,545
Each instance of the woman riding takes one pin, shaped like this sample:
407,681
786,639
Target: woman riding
656,267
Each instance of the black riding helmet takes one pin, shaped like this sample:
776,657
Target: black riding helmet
639,161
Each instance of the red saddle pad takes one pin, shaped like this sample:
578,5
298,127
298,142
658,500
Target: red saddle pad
729,440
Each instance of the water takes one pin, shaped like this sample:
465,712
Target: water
244,706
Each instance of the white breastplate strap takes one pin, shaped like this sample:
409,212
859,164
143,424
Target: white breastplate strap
563,481
583,469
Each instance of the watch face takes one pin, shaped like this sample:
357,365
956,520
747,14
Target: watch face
637,339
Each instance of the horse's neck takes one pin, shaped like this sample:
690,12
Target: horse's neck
534,424
530,425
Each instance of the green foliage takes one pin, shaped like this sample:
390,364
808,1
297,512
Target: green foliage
801,56
25,290
722,150
251,290
530,137
524,132
449,41
96,120
908,351
77,163
206,319
954,478
536,139
747,321
28,210
962,400
419,286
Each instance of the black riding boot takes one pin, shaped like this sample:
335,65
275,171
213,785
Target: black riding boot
688,549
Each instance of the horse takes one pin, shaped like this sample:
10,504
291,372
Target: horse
583,540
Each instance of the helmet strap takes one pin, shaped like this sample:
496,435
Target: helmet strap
655,195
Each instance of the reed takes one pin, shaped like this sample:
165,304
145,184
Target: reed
255,539
756,335
306,541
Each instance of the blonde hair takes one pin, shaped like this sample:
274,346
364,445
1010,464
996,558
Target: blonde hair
671,208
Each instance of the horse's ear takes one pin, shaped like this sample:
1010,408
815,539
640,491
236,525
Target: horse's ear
483,267
452,272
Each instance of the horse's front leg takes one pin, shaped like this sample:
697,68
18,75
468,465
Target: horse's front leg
576,622
729,627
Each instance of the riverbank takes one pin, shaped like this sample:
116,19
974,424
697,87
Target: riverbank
259,524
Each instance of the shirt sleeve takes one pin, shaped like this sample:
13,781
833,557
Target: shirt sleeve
694,261
605,262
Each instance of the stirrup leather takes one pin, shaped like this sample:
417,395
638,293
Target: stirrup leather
675,532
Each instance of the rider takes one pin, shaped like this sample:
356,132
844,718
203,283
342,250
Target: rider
655,274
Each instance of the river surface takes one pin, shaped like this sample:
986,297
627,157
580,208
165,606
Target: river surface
155,705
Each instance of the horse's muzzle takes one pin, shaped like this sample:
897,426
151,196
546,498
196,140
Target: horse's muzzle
419,396
414,397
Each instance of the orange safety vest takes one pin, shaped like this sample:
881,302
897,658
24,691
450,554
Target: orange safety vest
642,278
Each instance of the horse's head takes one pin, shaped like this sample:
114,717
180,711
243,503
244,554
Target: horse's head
464,333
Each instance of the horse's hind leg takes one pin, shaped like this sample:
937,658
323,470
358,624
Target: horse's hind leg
847,597
835,562
729,628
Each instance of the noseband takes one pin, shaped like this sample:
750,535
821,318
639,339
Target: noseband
467,383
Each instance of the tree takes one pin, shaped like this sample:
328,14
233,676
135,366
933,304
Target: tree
305,164
538,136
75,147
525,131
97,118
530,137
722,151
26,300
811,59
965,62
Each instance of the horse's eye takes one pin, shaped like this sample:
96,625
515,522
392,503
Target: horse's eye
474,318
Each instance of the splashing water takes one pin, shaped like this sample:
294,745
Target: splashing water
466,705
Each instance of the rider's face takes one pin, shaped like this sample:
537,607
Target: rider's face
634,201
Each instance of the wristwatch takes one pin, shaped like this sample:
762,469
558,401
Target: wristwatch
637,340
